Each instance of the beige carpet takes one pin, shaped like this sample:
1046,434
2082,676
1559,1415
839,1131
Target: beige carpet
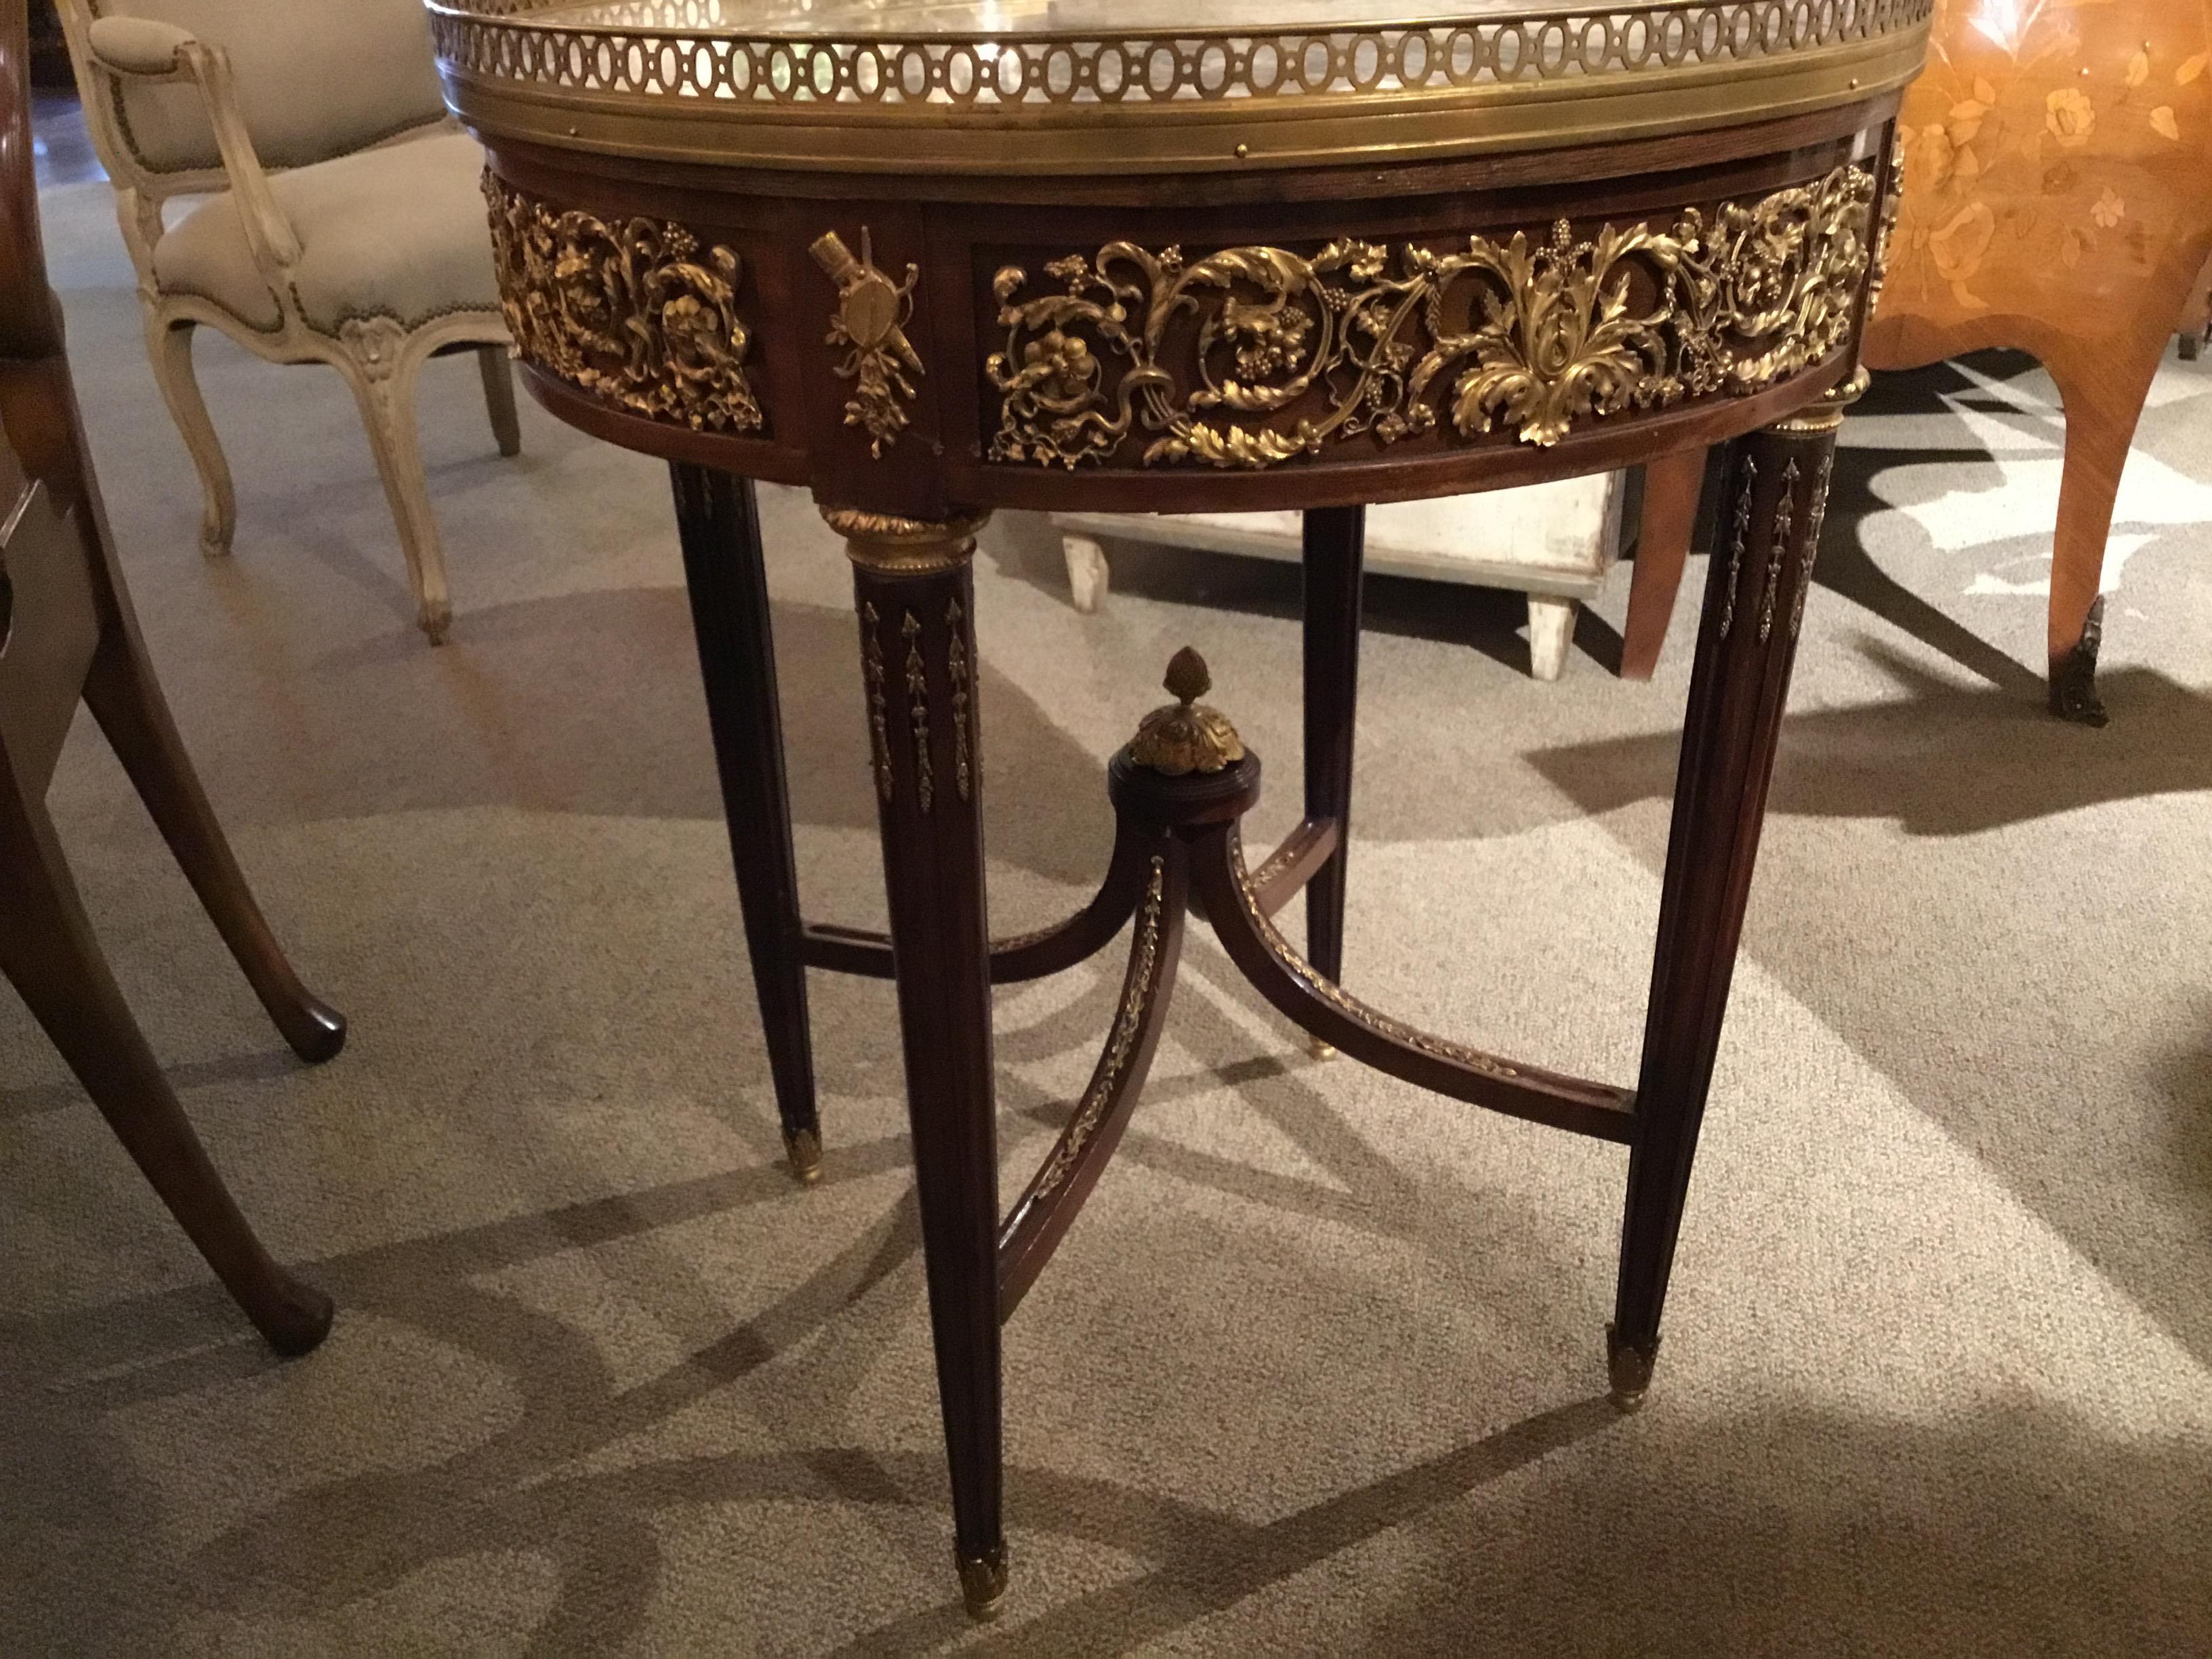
1318,1372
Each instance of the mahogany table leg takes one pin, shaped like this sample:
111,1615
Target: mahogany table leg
1672,486
720,526
1335,549
49,954
911,586
1775,498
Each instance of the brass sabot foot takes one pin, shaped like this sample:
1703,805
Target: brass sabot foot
983,1584
1319,1049
1629,1369
804,1149
1186,735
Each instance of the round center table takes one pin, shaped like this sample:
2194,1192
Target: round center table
932,258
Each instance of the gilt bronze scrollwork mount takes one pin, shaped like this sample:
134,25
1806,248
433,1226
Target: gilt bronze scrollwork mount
635,312
1294,354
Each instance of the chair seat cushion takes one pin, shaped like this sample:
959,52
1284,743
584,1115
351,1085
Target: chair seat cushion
398,232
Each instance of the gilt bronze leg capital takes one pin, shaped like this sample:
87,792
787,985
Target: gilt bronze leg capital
890,545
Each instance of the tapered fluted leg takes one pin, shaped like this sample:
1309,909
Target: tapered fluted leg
1335,545
720,526
911,587
123,696
1775,500
50,956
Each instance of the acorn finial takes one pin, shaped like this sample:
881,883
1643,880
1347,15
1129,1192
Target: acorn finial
1187,677
1187,736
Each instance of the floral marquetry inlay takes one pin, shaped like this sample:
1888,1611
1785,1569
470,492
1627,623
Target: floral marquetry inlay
635,312
2053,149
1252,356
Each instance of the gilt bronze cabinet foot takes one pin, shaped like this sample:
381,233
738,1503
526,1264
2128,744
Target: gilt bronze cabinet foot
2074,673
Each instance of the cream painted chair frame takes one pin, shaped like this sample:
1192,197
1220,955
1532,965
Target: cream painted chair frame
378,357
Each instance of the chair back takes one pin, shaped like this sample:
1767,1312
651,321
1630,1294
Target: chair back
314,78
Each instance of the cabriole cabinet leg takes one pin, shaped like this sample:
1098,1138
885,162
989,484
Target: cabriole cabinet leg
912,588
1775,497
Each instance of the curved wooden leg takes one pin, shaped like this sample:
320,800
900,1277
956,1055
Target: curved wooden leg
1776,499
719,524
1335,553
1048,1206
2104,400
380,364
169,346
49,954
1671,489
121,693
912,588
499,398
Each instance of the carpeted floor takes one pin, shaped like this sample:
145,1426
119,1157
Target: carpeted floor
1319,1371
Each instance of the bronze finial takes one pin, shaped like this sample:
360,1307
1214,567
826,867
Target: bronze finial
1187,677
1187,736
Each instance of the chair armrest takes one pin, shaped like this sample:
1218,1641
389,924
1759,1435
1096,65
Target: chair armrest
143,48
137,46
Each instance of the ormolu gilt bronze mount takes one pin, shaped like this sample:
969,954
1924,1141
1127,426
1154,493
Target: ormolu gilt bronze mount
928,263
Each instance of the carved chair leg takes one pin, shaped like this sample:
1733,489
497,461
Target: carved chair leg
380,363
121,692
718,523
170,347
912,587
48,952
1776,499
1551,632
499,398
1336,554
1671,489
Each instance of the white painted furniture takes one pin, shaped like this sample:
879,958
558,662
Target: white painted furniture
338,218
1554,541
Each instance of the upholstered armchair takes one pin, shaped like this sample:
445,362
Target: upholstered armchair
340,219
